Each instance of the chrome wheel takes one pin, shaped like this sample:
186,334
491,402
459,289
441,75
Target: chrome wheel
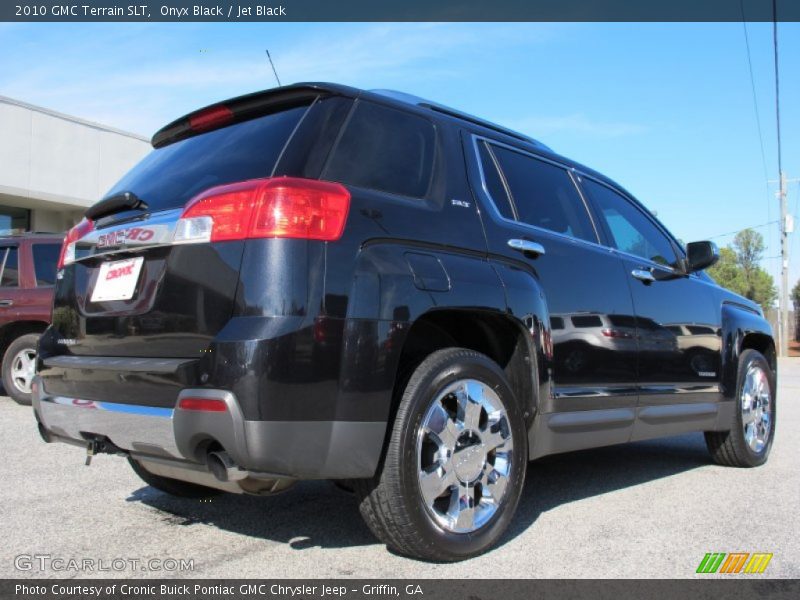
464,449
23,368
756,407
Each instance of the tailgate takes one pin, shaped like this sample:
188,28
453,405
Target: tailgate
132,293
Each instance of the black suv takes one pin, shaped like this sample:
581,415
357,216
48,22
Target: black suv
318,282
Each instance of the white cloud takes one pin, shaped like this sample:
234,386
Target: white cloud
138,78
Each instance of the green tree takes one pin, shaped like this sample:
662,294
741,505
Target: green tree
727,271
738,269
749,247
796,295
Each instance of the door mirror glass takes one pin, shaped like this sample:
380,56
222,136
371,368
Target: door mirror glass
701,255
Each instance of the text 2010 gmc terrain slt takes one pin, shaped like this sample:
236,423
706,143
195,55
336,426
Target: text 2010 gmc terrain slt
318,282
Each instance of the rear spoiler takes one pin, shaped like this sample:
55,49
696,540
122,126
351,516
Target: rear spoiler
239,109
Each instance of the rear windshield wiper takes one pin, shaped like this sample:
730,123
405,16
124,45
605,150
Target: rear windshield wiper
114,204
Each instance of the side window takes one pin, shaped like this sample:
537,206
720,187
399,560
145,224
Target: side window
544,195
631,230
385,149
10,275
45,258
494,183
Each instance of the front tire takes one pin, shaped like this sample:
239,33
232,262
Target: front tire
19,367
749,440
455,463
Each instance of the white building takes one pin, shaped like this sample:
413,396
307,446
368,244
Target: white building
53,166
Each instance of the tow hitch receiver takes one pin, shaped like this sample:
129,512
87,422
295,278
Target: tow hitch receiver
100,446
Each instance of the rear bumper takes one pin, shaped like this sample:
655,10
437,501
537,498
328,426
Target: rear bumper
293,449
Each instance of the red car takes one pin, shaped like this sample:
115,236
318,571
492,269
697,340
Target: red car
27,274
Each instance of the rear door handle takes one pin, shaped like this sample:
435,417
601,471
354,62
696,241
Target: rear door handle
643,275
6,303
526,246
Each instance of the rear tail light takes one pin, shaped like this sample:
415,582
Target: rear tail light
203,404
617,334
279,207
67,256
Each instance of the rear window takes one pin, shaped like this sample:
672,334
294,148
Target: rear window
45,259
170,176
385,149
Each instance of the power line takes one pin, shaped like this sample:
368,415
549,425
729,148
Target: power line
777,82
758,121
755,98
767,224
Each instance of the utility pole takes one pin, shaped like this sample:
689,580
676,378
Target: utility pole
784,304
787,227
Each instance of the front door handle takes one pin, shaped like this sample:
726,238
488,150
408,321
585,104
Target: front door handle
526,246
6,303
643,275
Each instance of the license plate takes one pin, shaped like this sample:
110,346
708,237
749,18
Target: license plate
117,280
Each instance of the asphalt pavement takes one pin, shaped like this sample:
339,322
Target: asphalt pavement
643,510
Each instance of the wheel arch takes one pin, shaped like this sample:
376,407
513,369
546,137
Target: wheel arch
743,329
500,336
11,331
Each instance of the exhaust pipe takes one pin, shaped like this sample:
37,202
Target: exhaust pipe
223,468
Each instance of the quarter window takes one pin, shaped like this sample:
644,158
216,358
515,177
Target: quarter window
45,258
630,229
587,321
385,149
544,195
622,320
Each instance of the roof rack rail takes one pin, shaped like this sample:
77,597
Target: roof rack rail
482,122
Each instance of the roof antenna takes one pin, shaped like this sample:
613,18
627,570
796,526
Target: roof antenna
273,68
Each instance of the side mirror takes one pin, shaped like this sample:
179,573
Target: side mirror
701,255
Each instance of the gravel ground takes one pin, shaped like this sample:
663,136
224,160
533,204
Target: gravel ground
644,510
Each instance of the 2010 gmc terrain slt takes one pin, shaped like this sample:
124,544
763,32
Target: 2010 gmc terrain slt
318,282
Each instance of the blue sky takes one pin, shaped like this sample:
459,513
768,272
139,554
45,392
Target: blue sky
665,109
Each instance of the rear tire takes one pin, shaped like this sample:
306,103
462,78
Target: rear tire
455,462
749,440
173,487
19,364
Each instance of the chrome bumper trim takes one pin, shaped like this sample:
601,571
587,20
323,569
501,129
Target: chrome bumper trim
146,429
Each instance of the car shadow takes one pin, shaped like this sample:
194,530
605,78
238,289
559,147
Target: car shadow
310,514
319,514
559,479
